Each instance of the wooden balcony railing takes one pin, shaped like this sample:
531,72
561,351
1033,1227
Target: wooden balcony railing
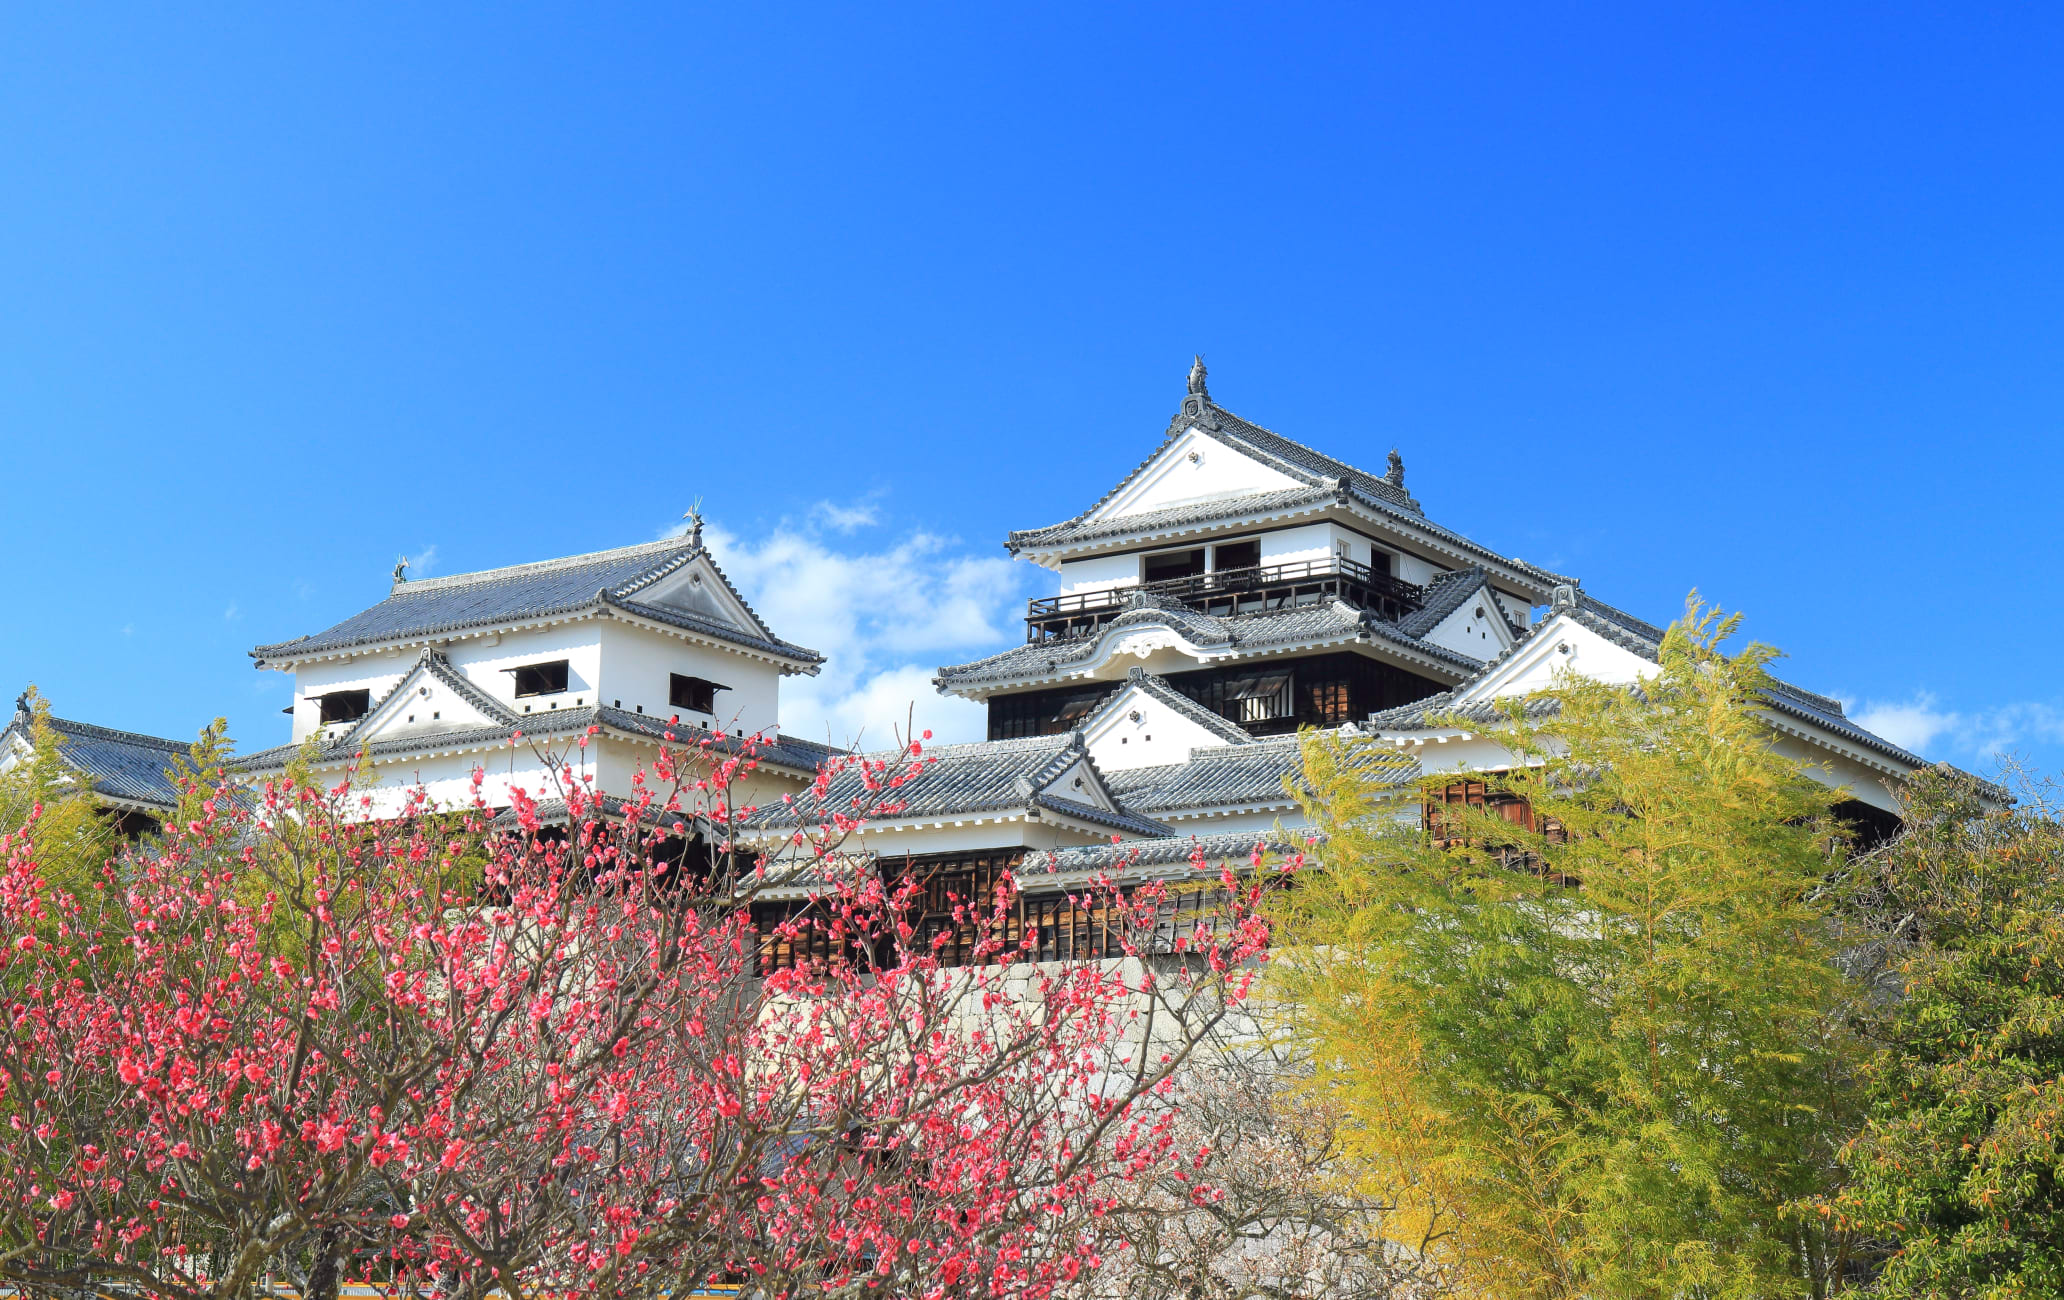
1230,591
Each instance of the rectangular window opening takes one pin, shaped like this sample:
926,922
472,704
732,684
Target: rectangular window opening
539,679
1259,698
345,706
695,694
1237,555
1172,564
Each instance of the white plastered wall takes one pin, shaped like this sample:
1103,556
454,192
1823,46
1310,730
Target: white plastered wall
1305,542
481,661
1100,571
637,663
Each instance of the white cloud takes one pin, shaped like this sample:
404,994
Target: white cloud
884,620
230,615
846,518
128,629
1920,722
424,562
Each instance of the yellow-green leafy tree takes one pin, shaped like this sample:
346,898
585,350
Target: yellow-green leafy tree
1602,1046
43,796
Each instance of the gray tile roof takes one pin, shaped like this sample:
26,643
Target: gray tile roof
1236,847
1233,635
1157,686
1828,715
1616,625
125,766
575,585
1447,593
1322,476
1645,639
1285,454
1076,531
1418,715
1240,776
990,776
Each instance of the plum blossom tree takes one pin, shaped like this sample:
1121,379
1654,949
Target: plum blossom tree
459,1053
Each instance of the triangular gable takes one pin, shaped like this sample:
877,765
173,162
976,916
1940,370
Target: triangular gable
432,698
695,585
1193,466
1561,644
1072,775
1146,723
16,740
1476,628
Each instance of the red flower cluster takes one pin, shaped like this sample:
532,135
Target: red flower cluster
538,1053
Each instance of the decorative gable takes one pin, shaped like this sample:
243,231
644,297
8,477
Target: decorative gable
433,698
1192,467
1561,644
1147,723
1476,628
697,587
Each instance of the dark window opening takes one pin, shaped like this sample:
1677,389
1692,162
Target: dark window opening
1872,826
1044,713
1380,561
1237,555
345,706
695,694
1320,691
540,679
1172,564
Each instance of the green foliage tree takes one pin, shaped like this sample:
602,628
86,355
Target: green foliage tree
72,833
1960,1166
1603,1047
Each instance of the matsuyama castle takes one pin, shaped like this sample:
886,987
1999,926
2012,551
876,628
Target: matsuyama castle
1235,587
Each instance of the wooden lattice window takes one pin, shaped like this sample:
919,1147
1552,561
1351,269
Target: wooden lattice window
1504,804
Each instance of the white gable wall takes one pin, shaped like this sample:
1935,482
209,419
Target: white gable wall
697,589
1174,478
1079,783
1562,645
1161,735
1475,629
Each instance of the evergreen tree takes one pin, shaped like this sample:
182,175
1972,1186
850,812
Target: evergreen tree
1593,1026
1961,1164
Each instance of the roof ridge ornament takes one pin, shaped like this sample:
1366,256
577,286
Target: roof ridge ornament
400,570
1395,475
1565,597
694,518
1196,406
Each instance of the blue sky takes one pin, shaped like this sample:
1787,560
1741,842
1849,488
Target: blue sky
1761,300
